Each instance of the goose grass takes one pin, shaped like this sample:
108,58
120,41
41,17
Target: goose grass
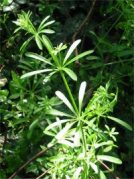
82,137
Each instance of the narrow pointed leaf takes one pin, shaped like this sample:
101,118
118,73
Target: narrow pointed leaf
102,175
94,167
34,124
65,100
109,159
70,73
81,94
124,124
63,132
38,42
35,73
25,44
66,142
47,44
47,31
71,49
79,57
44,20
37,57
77,173
47,24
58,113
55,124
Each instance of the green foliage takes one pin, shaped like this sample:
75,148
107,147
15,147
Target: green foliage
44,104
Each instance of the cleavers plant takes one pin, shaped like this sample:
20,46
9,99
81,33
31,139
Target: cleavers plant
82,138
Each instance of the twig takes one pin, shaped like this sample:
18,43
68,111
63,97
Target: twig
104,165
83,23
29,161
46,171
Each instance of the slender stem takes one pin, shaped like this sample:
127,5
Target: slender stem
83,138
50,48
29,161
46,171
69,91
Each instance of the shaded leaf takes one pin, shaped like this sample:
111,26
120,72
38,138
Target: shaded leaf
124,124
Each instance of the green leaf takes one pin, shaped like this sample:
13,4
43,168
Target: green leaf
3,95
25,44
70,73
124,124
71,49
81,94
3,82
55,124
47,31
65,100
109,159
94,167
47,43
77,173
37,57
38,42
47,24
102,175
79,56
35,73
63,132
57,113
34,124
42,22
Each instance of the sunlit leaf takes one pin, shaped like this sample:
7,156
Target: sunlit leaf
63,132
47,24
70,73
102,175
65,100
55,124
35,73
47,31
43,21
57,113
109,159
47,43
79,56
71,49
38,42
94,167
77,173
38,57
81,94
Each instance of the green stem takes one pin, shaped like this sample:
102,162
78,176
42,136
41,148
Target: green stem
50,48
83,138
69,91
